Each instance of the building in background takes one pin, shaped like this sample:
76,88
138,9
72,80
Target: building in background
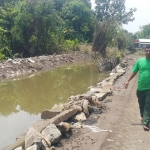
141,43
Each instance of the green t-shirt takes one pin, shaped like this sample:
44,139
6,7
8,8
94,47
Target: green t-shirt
142,66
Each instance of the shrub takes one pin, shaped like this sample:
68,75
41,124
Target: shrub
5,53
2,56
118,57
69,45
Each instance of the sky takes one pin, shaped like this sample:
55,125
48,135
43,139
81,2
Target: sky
142,15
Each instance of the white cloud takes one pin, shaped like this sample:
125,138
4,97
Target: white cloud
141,15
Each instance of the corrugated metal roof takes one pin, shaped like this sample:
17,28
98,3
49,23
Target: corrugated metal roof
144,43
144,40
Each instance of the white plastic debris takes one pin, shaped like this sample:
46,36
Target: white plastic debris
96,129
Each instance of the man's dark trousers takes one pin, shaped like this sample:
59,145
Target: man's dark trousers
144,104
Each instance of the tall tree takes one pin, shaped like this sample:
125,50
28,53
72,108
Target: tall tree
35,27
104,33
111,14
7,15
2,2
144,31
113,9
79,17
59,3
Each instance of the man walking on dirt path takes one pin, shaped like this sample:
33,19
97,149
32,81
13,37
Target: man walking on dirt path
142,66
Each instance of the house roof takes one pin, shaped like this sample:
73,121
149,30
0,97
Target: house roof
142,41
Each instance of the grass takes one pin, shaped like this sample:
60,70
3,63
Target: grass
86,48
111,52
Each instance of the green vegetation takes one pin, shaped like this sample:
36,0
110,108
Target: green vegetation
144,32
41,27
118,57
111,14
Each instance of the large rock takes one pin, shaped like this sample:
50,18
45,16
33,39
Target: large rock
85,108
79,117
101,96
64,127
48,114
65,115
58,108
94,100
53,133
77,97
19,148
34,137
69,104
96,90
121,70
34,147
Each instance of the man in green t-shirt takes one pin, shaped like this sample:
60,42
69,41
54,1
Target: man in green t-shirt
142,66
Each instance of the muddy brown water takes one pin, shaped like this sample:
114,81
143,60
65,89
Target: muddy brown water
22,100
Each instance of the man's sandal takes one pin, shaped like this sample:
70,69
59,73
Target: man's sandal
145,128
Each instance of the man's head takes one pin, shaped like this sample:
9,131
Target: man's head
147,52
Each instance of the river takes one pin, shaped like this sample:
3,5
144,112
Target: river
23,99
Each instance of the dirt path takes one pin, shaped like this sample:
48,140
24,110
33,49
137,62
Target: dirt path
120,124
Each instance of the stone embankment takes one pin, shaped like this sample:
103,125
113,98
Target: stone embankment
63,118
108,64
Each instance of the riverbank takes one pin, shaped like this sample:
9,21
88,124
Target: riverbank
21,66
100,93
91,120
100,127
118,127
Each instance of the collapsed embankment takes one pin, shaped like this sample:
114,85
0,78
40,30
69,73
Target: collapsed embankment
78,108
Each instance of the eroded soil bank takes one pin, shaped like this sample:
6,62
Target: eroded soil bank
20,66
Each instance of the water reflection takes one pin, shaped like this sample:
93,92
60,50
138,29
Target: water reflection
43,91
23,100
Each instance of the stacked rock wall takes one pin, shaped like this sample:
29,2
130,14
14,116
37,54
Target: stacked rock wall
108,64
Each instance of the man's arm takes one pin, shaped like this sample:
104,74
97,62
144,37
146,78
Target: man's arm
131,77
